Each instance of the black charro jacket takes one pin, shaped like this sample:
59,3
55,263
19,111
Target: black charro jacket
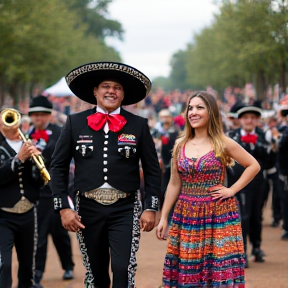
259,151
283,152
54,132
99,159
25,178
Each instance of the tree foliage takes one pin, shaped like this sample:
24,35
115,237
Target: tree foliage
41,41
247,41
94,14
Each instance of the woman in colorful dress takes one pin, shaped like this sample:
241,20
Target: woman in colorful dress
205,246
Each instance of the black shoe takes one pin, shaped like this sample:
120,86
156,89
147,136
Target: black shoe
275,224
257,251
259,255
284,235
246,261
37,285
68,275
38,277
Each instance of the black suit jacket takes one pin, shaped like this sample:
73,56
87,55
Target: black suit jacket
283,152
24,178
99,159
54,132
259,151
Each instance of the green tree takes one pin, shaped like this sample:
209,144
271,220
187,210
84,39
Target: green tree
178,74
161,82
40,43
94,14
247,41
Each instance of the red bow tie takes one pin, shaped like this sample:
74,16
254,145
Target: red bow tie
249,138
40,134
115,121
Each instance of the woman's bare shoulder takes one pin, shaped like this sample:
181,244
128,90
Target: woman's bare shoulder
179,140
229,143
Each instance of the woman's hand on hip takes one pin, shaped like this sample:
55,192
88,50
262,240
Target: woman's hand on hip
219,192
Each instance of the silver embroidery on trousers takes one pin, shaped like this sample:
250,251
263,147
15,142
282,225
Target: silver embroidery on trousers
89,279
35,241
135,242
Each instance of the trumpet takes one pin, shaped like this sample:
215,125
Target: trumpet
11,117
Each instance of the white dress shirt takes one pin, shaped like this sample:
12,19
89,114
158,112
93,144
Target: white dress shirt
106,130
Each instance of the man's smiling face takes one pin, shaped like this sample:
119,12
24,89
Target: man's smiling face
109,95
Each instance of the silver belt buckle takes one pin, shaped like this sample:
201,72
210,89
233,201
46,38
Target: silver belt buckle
22,206
105,196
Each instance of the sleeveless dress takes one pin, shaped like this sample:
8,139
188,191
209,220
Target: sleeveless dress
205,245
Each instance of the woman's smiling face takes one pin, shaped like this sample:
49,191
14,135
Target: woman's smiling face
197,114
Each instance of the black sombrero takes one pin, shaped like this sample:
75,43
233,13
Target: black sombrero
249,109
84,78
233,110
40,104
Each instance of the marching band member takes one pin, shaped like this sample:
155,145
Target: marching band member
45,135
19,190
251,198
107,143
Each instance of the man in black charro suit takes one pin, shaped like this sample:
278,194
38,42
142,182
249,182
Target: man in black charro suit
107,143
19,190
251,198
283,170
45,135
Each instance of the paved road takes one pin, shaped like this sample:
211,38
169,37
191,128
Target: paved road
271,274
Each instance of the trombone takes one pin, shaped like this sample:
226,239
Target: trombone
11,117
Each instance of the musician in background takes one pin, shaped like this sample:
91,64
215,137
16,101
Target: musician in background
45,135
251,198
283,170
168,133
19,190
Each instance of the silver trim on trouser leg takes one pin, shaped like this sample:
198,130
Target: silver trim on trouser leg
35,240
89,279
0,260
135,242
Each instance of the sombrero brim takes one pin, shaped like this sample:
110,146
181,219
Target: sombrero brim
83,79
249,109
232,115
39,109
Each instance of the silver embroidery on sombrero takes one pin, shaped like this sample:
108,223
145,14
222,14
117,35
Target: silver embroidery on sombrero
109,66
135,242
89,279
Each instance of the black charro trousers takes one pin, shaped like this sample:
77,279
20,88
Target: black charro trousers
284,202
49,222
17,230
251,200
107,233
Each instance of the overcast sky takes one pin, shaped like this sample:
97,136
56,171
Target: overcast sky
155,29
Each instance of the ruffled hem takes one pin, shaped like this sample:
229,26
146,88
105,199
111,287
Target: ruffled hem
206,277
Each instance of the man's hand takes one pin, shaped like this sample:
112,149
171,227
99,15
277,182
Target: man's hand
26,151
71,221
147,220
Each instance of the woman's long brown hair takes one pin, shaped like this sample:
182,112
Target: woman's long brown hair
215,130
